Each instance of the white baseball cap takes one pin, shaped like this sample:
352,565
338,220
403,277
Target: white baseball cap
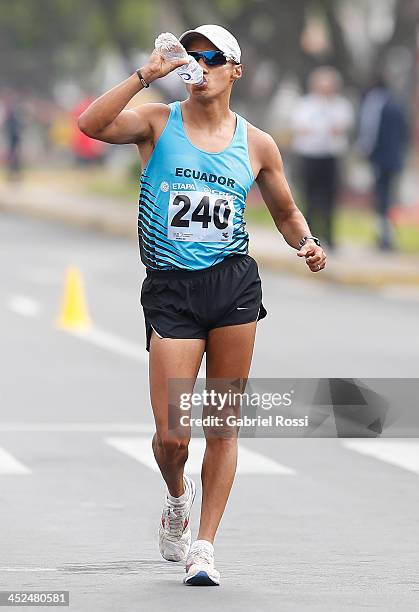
220,37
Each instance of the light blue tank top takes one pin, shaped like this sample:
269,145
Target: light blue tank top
191,203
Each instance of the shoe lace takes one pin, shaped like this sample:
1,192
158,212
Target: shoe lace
174,519
200,553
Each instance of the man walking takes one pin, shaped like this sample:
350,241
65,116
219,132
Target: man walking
202,292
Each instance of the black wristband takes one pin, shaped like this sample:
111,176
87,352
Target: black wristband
304,240
140,76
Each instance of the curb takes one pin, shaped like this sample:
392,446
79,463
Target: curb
109,218
113,222
370,280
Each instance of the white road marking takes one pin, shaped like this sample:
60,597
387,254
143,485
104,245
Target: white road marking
79,427
402,453
113,343
10,465
23,305
119,345
28,307
249,462
28,569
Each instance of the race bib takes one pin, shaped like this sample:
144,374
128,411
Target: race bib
200,216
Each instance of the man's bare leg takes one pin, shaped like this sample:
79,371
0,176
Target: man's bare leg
171,358
229,355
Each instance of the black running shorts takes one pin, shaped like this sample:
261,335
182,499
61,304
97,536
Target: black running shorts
188,303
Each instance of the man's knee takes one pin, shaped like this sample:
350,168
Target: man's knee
222,443
172,446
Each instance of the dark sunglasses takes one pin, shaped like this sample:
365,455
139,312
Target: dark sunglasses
211,58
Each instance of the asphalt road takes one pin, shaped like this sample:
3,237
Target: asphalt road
313,524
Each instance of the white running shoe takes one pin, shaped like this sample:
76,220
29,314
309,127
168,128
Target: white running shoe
174,531
200,570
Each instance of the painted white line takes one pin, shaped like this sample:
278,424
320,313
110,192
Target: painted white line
10,465
79,427
401,453
23,305
113,343
28,569
119,345
249,462
28,307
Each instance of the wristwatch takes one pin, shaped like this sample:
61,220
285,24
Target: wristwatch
304,240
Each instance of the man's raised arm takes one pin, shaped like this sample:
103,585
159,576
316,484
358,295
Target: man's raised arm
105,119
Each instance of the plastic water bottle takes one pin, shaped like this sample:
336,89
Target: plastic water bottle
171,49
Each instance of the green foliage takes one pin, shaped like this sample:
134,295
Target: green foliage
230,9
351,225
44,39
137,21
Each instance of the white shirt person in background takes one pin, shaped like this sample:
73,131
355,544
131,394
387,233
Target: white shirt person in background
320,125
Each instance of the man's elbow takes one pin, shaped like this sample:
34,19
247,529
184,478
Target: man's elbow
84,126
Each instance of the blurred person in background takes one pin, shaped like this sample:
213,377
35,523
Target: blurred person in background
13,127
383,137
320,125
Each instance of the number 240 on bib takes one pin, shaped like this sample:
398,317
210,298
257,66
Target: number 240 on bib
200,216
